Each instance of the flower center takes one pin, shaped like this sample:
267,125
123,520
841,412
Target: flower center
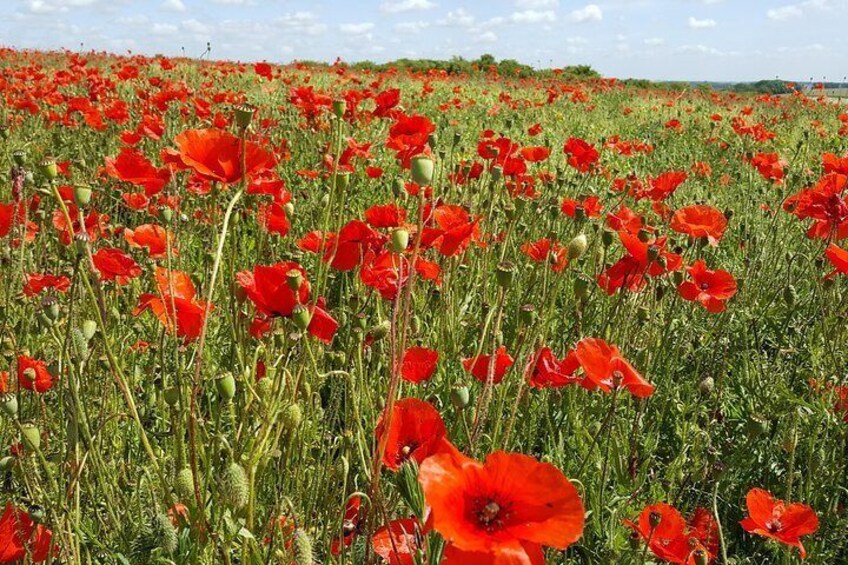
617,377
774,526
704,286
407,449
489,513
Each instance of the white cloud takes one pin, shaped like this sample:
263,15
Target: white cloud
174,5
457,18
532,17
301,23
406,6
164,29
589,13
487,37
356,29
654,41
537,3
791,11
695,23
49,6
412,27
194,26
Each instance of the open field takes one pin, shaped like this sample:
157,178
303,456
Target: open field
262,314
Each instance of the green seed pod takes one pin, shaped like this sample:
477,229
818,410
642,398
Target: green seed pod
166,214
400,240
36,512
89,328
398,187
184,484
339,107
433,140
51,307
163,534
505,274
48,168
496,172
294,278
292,417
581,287
82,195
607,237
303,547
527,313
19,157
233,486
422,169
226,386
701,557
643,235
460,396
342,180
9,404
244,115
677,277
756,426
577,247
31,436
301,316
172,395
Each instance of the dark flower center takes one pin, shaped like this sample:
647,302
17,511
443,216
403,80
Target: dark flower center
704,286
774,526
489,514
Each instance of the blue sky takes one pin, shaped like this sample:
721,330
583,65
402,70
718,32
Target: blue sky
656,39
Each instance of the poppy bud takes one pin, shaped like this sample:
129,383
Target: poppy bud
9,403
659,291
244,115
292,417
509,210
303,547
581,288
577,247
381,330
166,214
422,170
505,273
294,278
706,386
457,137
460,397
527,313
81,242
31,436
341,181
82,195
635,540
226,386
89,328
301,316
790,295
48,168
643,235
360,321
677,277
826,283
288,207
579,213
701,557
607,236
339,107
653,253
400,240
642,314
36,512
7,462
19,156
51,307
397,187
496,172
233,486
433,140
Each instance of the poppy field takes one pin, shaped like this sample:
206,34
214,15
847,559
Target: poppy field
318,314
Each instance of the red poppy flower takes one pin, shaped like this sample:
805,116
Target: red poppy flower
454,231
350,525
534,154
663,186
543,250
674,540
550,372
268,288
479,366
778,520
709,288
409,136
20,537
7,217
133,167
419,364
417,431
581,155
385,216
590,207
502,511
34,283
388,272
606,368
838,257
644,259
175,305
397,542
33,374
152,237
115,265
700,220
216,155
769,165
